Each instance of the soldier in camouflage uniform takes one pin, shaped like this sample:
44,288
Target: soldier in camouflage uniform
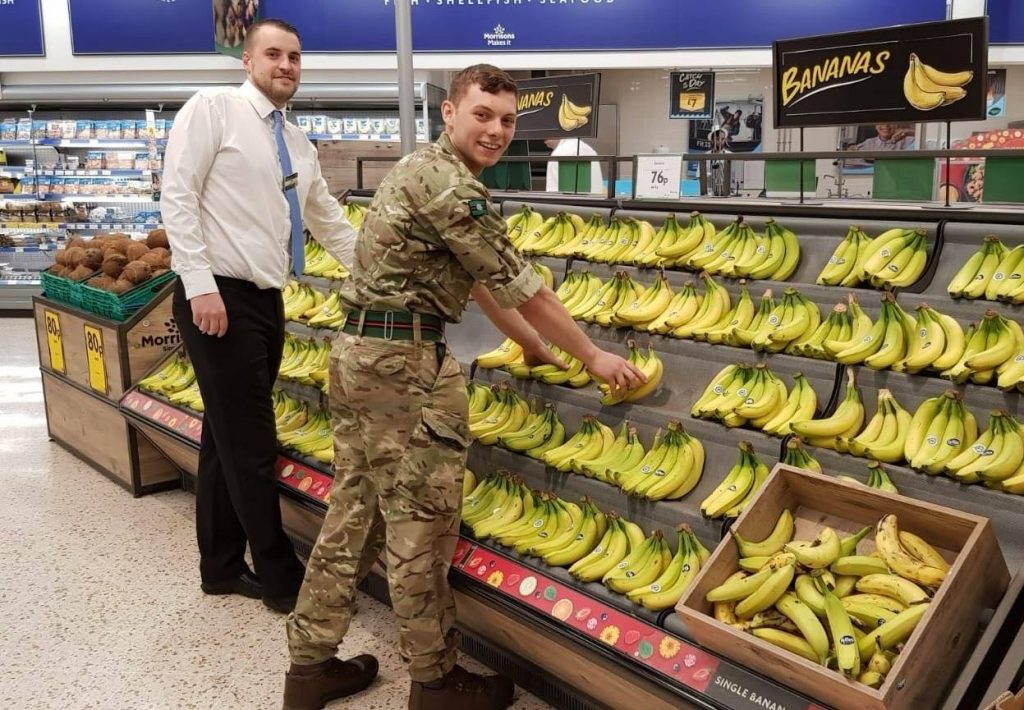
431,238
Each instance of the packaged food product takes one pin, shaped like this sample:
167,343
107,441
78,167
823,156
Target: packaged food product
319,124
333,125
9,129
349,125
68,129
38,130
304,124
54,130
376,126
94,159
83,130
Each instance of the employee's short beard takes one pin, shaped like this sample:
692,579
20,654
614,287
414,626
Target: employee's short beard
278,96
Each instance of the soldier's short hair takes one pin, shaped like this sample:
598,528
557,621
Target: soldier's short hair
487,76
254,28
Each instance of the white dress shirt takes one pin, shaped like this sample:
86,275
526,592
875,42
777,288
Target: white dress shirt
574,146
221,200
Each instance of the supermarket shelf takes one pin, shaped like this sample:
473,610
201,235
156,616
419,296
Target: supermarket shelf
382,137
57,197
14,172
94,143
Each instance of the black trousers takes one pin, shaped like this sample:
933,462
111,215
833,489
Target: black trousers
237,493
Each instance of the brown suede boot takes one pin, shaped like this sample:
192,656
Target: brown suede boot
312,687
462,690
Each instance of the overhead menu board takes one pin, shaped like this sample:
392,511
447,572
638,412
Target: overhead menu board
935,71
21,28
141,26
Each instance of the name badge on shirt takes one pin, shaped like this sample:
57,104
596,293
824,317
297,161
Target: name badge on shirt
290,182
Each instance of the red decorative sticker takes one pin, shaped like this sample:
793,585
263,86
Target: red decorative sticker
313,483
179,421
641,641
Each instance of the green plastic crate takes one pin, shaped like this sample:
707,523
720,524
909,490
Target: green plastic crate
121,307
64,290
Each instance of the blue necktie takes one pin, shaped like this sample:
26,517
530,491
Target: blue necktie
292,195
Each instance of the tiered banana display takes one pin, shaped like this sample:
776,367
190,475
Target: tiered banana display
739,486
994,273
753,395
878,478
320,263
825,601
305,361
593,545
305,304
737,251
175,381
895,258
301,429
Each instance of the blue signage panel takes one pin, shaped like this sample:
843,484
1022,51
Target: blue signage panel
141,26
1006,22
21,29
578,25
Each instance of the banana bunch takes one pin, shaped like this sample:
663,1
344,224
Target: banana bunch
797,456
878,345
554,232
575,376
621,537
289,412
789,326
739,486
589,442
885,436
540,431
576,291
846,264
878,478
996,455
678,243
833,432
571,116
688,312
895,258
601,305
990,352
666,590
545,274
624,240
670,470
623,454
189,397
312,437
299,299
641,567
646,308
823,601
741,315
941,429
526,221
508,353
329,315
320,263
649,364
738,251
838,326
354,213
743,394
305,361
927,88
994,273
505,413
582,238
175,376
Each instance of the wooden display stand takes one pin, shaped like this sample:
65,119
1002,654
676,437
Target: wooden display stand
94,430
87,363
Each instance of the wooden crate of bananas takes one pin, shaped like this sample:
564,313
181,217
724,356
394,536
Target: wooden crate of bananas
849,594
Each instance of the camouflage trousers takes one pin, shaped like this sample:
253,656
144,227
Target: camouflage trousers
400,439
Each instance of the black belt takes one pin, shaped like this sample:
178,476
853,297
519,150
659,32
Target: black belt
395,325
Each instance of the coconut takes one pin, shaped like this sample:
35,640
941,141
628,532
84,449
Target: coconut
121,286
114,264
136,250
157,238
92,258
73,256
103,281
136,272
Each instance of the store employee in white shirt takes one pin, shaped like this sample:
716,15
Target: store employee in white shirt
238,183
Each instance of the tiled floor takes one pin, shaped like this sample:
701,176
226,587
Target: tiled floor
100,605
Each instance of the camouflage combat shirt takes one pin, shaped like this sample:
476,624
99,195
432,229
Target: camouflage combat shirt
430,233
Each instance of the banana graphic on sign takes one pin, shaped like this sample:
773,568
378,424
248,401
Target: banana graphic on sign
571,116
927,88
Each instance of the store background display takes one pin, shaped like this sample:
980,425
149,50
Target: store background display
27,39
